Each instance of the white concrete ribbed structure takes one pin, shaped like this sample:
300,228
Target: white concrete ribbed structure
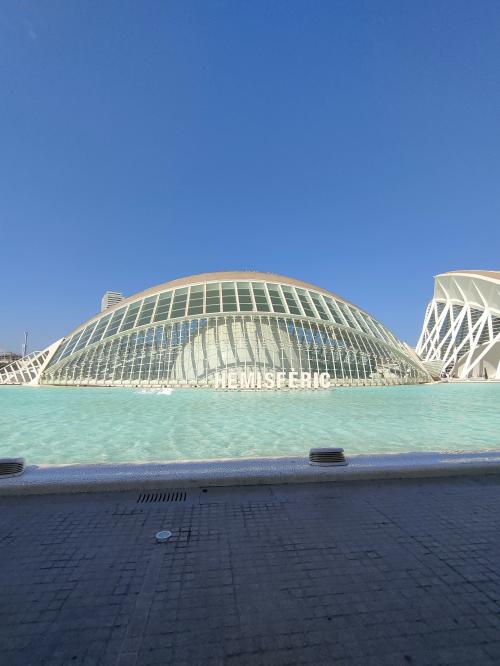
189,331
461,332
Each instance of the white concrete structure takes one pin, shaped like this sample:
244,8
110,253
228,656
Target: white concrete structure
111,298
28,370
267,330
461,332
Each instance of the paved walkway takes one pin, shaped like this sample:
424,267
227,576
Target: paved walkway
391,572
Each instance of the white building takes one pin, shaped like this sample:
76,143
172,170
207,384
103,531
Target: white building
111,298
461,332
267,330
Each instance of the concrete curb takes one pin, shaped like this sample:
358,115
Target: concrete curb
52,479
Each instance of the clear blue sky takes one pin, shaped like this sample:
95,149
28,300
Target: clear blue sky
355,145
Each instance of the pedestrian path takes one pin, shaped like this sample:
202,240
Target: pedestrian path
366,572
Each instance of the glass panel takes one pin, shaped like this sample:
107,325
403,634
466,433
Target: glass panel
213,298
99,330
179,304
359,318
334,311
462,332
65,348
196,298
275,296
290,300
115,322
319,306
260,297
148,305
163,307
229,297
348,315
369,323
305,303
130,317
244,297
383,333
85,336
485,334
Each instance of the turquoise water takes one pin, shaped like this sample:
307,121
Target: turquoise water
68,425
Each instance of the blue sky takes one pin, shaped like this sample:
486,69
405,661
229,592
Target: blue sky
352,144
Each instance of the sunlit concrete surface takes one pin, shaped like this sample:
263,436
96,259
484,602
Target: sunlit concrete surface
244,471
367,572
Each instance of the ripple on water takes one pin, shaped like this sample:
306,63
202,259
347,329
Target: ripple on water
64,425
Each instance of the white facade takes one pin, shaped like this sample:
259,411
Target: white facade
195,331
461,332
28,369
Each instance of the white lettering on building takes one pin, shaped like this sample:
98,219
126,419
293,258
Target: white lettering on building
251,380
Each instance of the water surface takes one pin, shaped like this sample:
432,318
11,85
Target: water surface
67,425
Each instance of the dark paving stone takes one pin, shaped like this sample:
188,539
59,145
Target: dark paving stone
395,572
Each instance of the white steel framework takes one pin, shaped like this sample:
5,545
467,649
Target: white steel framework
461,331
25,370
188,331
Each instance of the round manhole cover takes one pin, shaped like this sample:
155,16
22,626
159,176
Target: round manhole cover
162,536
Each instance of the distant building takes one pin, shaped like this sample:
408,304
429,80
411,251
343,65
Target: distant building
7,357
461,332
111,298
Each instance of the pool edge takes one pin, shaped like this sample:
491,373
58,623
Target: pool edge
55,479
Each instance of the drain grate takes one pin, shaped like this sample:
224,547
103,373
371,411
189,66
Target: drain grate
168,496
11,467
327,456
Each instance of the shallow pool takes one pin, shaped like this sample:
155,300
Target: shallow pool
67,425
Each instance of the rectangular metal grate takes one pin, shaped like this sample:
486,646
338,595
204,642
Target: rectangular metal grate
327,456
11,467
167,496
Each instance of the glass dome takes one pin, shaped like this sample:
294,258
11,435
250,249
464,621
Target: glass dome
193,331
